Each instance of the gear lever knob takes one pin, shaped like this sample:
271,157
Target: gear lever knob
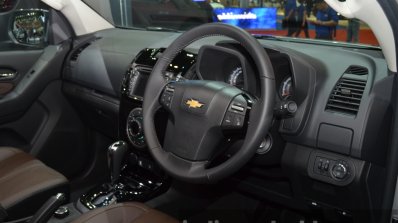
116,154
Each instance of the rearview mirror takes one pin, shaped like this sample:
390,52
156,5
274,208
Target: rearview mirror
30,27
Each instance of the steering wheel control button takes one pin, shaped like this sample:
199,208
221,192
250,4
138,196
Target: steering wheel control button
233,120
339,171
166,99
237,108
238,120
236,113
170,88
167,96
229,119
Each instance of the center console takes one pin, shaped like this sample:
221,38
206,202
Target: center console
132,92
133,178
134,174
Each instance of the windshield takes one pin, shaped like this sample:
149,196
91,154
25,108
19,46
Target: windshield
312,19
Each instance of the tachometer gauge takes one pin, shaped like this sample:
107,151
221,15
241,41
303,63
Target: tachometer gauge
236,79
286,88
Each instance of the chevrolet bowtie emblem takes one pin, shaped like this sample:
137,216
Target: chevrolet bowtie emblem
193,103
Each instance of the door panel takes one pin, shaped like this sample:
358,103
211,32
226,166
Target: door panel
5,88
34,114
36,70
17,63
36,117
21,133
63,141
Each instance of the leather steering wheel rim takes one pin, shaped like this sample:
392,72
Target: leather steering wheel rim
261,114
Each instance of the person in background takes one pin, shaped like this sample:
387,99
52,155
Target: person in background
252,4
302,19
353,30
309,4
216,4
228,3
326,21
290,17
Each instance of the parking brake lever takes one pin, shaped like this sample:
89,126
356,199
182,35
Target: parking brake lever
48,208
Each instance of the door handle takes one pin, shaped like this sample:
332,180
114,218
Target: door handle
7,75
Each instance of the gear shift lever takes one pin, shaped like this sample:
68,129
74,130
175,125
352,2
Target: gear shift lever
141,180
116,154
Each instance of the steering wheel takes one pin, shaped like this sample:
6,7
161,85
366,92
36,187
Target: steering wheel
200,111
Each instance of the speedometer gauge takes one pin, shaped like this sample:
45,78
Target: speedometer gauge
235,78
286,88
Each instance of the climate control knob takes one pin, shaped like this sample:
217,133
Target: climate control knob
135,132
135,127
339,171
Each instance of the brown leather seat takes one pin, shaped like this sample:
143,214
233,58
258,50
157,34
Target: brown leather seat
26,183
125,213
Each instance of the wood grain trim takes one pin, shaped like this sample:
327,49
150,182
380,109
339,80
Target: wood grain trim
6,88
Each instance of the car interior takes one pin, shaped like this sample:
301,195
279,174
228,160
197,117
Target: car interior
212,124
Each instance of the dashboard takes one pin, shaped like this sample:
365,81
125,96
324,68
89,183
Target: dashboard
221,63
327,147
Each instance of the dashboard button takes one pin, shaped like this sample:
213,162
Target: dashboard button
320,161
339,171
285,109
134,128
326,166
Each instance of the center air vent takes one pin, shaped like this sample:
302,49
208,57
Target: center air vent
347,94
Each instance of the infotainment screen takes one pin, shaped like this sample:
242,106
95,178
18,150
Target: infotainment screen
138,79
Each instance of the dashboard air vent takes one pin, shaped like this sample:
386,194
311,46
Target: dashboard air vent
346,96
357,70
77,52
